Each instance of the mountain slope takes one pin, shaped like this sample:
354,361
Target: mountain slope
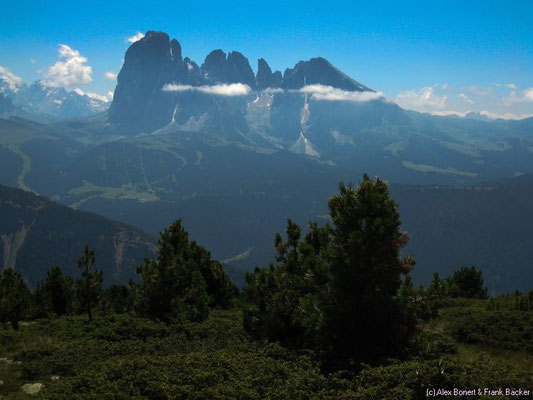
489,226
37,234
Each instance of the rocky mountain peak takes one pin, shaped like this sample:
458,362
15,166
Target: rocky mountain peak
239,70
233,69
265,77
319,71
142,103
175,51
214,66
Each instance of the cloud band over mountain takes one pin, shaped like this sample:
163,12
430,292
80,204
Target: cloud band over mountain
317,92
232,89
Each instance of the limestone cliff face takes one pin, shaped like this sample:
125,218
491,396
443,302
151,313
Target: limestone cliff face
265,77
149,64
12,243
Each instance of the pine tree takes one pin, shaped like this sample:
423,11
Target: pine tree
337,290
467,282
89,287
364,318
283,302
184,282
55,294
14,297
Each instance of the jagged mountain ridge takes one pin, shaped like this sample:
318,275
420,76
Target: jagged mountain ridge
43,103
140,102
58,102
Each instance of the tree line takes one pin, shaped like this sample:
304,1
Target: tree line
184,282
342,289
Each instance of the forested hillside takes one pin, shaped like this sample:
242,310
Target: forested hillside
37,233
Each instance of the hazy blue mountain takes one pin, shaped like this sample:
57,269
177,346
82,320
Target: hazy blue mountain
141,104
6,105
57,102
476,115
37,234
319,71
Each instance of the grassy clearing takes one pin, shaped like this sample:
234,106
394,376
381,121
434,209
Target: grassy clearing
430,168
477,353
123,192
13,137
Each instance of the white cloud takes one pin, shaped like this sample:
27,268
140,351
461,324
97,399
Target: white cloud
232,89
421,99
317,92
71,71
329,93
492,115
525,96
448,113
499,100
480,90
465,98
272,90
111,75
92,95
138,36
488,114
110,95
12,80
33,61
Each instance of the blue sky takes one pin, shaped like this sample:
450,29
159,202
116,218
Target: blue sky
435,56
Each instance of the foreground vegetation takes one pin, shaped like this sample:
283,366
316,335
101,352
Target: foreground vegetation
336,316
121,356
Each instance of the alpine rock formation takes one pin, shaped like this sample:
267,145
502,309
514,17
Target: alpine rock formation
223,97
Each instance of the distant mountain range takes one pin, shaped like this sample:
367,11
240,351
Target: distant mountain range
42,103
235,153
